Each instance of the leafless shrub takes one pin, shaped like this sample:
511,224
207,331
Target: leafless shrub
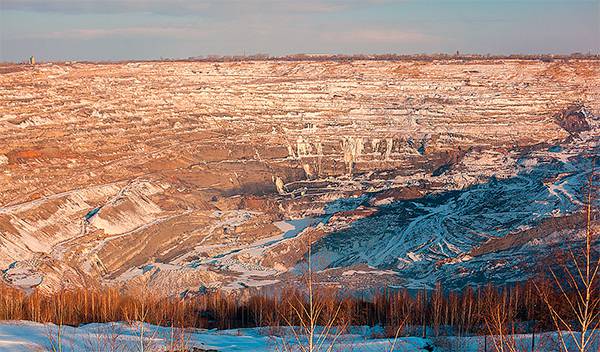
105,338
316,318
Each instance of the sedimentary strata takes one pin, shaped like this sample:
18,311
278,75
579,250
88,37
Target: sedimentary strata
187,175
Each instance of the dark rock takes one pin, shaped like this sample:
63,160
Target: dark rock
573,119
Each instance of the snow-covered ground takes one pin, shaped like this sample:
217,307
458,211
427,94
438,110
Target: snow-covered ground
111,337
429,239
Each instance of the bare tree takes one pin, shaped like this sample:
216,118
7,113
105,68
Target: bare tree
310,336
499,321
578,287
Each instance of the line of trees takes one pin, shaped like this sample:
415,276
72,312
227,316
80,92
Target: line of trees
392,57
370,57
461,312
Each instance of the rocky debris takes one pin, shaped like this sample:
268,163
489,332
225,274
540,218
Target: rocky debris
173,174
517,239
574,119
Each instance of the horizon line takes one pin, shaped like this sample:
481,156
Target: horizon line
331,57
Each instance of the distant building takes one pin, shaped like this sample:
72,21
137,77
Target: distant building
32,60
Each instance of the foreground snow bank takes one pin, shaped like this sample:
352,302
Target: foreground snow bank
110,337
17,336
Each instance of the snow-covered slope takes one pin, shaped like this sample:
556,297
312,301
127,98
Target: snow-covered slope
437,237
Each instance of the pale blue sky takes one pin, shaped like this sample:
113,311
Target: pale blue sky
150,29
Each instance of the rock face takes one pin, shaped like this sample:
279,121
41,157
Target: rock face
194,175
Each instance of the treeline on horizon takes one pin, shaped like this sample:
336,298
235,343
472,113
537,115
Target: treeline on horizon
389,57
520,308
349,57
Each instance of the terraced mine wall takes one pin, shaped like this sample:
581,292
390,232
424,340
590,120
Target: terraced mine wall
220,174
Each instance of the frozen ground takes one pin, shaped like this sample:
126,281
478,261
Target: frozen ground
28,336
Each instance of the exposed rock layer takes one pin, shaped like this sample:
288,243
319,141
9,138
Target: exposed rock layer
178,173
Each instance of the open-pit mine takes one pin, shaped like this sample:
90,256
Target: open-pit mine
191,176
